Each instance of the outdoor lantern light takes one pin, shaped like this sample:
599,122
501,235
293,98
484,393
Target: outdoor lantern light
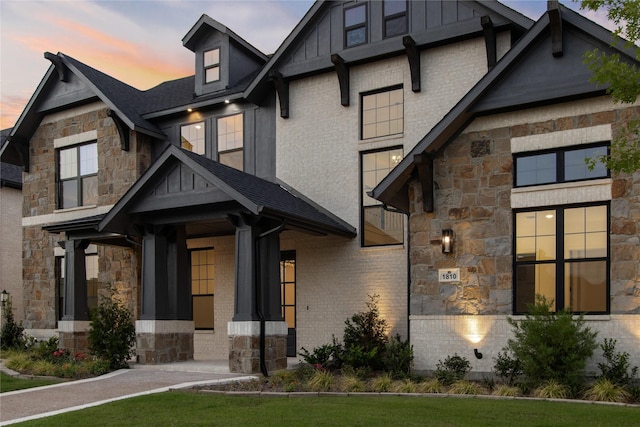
477,354
4,297
447,241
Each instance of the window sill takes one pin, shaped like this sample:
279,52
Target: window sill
563,185
78,208
397,247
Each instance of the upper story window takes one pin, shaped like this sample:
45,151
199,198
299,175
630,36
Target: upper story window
382,113
192,137
211,65
562,253
395,17
78,176
355,25
559,165
379,226
230,141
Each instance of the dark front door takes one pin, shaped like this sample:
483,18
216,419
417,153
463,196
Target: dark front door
288,292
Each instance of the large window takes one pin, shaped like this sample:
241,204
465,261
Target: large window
192,137
379,226
382,113
78,176
562,254
560,165
93,285
212,65
395,17
203,287
230,141
355,25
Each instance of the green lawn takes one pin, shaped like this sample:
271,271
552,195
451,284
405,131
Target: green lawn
9,383
189,409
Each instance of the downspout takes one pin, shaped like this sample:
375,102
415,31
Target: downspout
407,213
259,302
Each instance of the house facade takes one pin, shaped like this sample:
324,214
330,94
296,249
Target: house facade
248,210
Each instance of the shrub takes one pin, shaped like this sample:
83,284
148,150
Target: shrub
454,368
552,389
45,349
465,387
551,345
507,367
606,390
432,385
365,338
404,386
398,357
616,366
321,381
381,383
506,390
351,383
327,355
112,333
11,335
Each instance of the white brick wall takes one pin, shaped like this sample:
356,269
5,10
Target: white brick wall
436,337
11,248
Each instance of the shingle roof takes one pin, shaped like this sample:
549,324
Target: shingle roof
10,175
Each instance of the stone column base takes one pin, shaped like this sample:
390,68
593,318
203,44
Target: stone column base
73,335
164,341
244,346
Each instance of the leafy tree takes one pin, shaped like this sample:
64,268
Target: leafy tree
622,78
11,335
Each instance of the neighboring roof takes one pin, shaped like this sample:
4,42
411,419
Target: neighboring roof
495,91
10,175
257,195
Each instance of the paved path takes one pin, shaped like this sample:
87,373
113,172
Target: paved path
23,405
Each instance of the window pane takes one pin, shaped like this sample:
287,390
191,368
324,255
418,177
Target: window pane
534,279
395,26
290,316
68,163
538,169
212,57
576,168
391,7
585,232
230,132
356,36
69,197
355,15
212,74
382,227
88,159
90,190
535,236
233,159
203,312
586,286
192,137
385,110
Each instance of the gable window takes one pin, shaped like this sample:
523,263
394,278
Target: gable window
560,165
379,226
203,287
562,253
212,65
230,141
382,113
355,25
395,17
192,137
78,176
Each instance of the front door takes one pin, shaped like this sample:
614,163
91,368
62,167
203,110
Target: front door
288,292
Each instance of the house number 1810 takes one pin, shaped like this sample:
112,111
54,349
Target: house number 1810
449,274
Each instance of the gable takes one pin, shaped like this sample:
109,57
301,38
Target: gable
62,94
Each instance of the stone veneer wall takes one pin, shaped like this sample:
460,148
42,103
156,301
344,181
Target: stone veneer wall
473,181
117,171
244,346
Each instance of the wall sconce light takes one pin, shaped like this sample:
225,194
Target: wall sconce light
477,354
447,241
4,297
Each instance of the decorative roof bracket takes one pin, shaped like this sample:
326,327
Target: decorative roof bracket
424,166
63,71
282,89
123,130
555,24
489,40
414,61
342,70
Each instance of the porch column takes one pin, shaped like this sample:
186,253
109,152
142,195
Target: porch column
257,327
74,326
164,332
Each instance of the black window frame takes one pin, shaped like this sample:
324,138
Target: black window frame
79,178
560,261
380,205
241,149
206,67
559,163
204,133
375,92
207,295
364,25
391,17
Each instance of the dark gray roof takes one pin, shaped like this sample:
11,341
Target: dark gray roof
10,175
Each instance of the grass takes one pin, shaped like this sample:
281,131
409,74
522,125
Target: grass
9,383
182,408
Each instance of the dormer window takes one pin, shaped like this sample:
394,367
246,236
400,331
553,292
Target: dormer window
212,65
355,25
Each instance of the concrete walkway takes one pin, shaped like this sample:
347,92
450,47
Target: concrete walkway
28,404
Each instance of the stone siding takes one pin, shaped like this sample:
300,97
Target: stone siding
244,353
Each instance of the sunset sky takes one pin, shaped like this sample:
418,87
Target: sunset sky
138,42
